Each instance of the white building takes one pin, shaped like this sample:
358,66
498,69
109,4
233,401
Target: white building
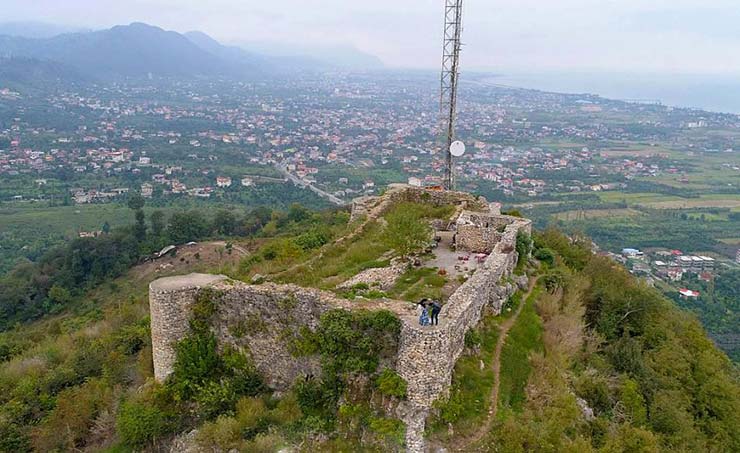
223,181
147,190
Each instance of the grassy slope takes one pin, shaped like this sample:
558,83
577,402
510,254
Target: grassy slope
524,338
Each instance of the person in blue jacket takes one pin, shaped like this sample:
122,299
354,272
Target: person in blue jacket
423,311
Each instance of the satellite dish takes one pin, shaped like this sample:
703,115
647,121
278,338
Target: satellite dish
457,149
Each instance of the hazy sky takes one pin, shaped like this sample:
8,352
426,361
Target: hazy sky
688,36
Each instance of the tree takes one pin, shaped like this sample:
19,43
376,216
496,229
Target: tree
187,226
140,226
59,296
136,203
106,227
297,213
224,223
262,214
156,219
545,255
255,221
406,231
523,245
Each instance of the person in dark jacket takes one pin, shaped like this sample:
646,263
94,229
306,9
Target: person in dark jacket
436,308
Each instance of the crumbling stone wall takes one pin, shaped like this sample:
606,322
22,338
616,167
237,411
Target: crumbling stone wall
258,320
427,355
480,232
170,303
263,321
373,207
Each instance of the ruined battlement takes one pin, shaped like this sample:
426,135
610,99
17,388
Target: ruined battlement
258,319
375,206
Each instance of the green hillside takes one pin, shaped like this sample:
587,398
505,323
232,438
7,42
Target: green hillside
591,359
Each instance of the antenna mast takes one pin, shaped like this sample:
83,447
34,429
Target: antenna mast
450,73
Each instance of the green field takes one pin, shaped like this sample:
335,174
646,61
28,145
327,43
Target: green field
28,230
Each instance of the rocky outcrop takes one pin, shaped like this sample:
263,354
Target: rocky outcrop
382,278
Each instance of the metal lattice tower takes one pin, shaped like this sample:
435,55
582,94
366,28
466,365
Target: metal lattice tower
450,73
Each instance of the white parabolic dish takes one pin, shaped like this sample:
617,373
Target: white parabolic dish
457,148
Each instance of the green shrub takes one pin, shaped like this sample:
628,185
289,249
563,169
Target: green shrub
131,339
375,294
353,341
390,428
214,381
523,249
312,240
472,338
391,384
280,249
305,344
546,256
224,433
215,397
595,390
253,416
315,400
264,443
197,361
287,411
138,424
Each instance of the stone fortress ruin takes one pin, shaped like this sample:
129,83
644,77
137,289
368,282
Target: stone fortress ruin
255,318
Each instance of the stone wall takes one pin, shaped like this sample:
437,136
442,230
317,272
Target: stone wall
427,355
480,232
263,321
170,302
373,207
259,320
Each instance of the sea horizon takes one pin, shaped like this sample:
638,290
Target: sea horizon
712,93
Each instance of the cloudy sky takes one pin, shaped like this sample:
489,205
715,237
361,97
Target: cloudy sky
686,36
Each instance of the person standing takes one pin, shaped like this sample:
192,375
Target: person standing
436,308
423,313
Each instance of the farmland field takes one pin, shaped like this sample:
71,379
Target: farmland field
596,214
695,203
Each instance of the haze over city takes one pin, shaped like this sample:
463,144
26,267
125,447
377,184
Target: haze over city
685,36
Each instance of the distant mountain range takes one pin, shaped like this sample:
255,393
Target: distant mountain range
23,74
38,30
140,50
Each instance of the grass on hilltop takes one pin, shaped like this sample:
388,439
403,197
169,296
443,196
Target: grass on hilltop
281,259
